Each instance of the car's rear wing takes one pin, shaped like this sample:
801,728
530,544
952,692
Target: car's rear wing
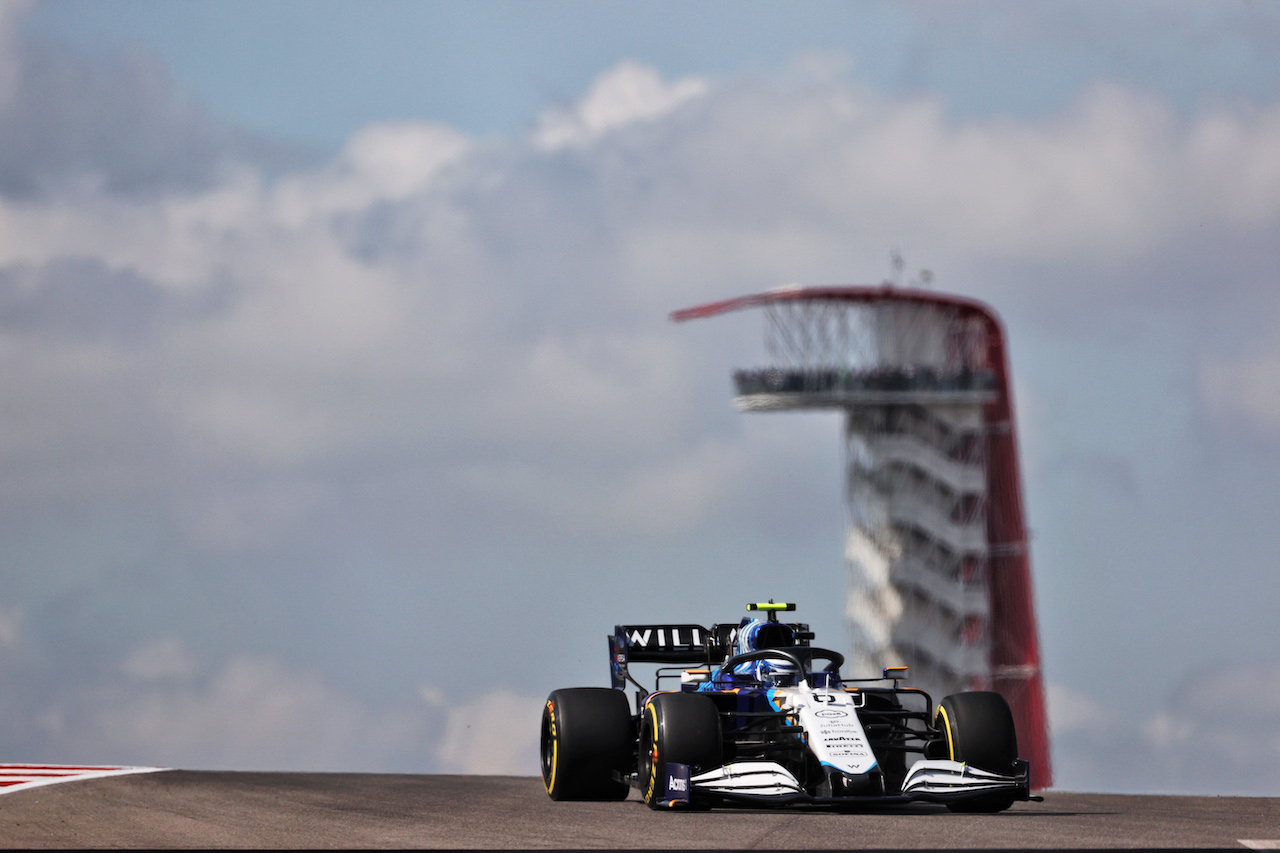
663,643
674,644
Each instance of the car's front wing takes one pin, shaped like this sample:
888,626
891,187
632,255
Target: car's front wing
767,782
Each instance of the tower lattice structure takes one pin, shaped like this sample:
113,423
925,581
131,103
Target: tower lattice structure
936,547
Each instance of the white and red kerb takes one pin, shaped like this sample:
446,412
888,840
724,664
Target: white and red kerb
15,777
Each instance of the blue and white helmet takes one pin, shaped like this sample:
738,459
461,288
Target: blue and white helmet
754,635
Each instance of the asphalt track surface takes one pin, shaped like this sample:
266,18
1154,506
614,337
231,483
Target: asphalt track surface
180,808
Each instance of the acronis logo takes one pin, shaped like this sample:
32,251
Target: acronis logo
678,782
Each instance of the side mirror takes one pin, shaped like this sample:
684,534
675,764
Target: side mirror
695,676
895,673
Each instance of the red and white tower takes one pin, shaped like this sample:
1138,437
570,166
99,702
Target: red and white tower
939,572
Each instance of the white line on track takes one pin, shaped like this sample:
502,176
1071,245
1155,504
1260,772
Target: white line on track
1260,844
16,777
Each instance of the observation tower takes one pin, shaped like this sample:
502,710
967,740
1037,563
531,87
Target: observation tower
938,566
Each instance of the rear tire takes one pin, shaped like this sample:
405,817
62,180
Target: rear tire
979,731
588,741
677,728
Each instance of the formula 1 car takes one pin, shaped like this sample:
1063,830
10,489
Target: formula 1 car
761,717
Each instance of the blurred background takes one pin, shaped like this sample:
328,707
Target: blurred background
341,417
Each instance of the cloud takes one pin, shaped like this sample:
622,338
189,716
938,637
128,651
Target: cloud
1216,733
163,659
626,94
1243,391
1071,710
81,298
10,626
252,514
254,712
494,734
1221,726
11,13
78,125
397,274
383,163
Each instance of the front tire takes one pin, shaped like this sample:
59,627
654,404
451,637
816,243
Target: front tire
978,727
587,744
677,728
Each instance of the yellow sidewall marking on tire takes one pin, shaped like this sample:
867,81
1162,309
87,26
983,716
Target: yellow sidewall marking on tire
550,781
946,727
653,755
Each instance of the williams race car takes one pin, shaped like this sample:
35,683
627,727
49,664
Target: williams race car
761,717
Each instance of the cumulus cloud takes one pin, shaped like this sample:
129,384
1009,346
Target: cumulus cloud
1200,726
10,625
254,712
1216,733
493,734
251,514
165,658
1243,391
11,13
1071,710
379,165
375,278
626,94
77,125
81,298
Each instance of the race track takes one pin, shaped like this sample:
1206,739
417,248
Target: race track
181,808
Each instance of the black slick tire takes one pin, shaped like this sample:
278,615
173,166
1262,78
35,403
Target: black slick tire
678,728
979,731
588,741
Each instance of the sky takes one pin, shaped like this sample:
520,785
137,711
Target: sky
341,416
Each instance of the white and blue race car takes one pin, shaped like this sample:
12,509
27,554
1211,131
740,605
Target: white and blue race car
761,717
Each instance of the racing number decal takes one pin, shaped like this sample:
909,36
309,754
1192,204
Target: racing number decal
550,781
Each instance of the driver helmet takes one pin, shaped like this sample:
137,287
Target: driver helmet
755,635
